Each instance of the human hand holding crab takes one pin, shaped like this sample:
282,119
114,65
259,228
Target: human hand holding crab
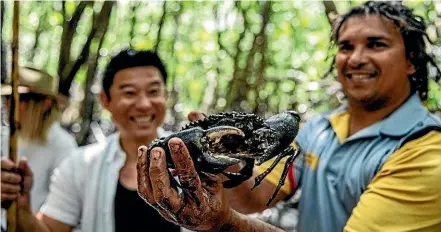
200,151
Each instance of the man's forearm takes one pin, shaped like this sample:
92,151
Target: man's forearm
242,200
240,222
245,201
28,222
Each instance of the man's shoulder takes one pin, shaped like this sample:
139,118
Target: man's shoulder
430,123
92,153
60,137
433,119
317,120
425,132
427,136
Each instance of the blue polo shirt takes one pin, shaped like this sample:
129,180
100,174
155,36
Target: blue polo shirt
373,180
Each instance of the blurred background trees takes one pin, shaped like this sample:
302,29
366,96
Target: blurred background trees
254,56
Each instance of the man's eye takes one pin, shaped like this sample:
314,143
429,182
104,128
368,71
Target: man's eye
344,47
154,92
376,44
129,93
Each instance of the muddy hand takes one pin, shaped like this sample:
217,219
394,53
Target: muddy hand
200,206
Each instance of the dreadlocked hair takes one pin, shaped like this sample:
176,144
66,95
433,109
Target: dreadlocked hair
413,31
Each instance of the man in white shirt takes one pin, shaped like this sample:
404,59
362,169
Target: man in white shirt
95,188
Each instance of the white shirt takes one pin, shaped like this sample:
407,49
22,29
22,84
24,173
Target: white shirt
83,187
42,159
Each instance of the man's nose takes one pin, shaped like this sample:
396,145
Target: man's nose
144,102
357,58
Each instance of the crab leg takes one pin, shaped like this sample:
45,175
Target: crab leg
290,151
284,174
262,176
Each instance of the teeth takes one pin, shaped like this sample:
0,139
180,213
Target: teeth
360,76
143,119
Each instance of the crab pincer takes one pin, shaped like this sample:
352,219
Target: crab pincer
205,146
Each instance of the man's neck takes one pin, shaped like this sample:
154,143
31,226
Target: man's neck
362,118
130,147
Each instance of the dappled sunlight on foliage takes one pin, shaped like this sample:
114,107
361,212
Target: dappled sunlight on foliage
261,57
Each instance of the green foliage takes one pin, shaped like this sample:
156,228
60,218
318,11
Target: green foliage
202,41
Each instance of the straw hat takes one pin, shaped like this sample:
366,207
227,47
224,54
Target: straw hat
35,81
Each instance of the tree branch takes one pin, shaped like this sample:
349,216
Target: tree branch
89,101
161,23
437,6
133,21
212,105
63,8
236,69
330,11
71,70
174,93
69,29
262,46
38,31
241,86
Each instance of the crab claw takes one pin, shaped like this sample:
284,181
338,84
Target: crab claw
223,137
219,142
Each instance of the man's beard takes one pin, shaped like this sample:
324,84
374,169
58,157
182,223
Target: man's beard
371,105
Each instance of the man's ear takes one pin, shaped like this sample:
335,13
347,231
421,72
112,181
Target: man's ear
410,66
105,101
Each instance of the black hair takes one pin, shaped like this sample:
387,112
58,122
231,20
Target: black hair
413,31
129,58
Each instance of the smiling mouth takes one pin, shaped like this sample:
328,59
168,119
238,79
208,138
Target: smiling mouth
143,119
361,76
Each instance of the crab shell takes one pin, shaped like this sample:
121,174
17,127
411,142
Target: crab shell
221,140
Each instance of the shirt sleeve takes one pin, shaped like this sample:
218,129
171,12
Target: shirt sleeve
64,202
405,195
62,145
66,147
295,169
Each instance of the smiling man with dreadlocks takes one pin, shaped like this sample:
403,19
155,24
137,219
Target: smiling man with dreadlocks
373,164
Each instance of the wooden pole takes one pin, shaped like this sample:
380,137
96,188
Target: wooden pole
14,113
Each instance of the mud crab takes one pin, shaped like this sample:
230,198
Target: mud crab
221,140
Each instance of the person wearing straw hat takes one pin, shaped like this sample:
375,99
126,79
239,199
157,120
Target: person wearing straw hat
41,139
